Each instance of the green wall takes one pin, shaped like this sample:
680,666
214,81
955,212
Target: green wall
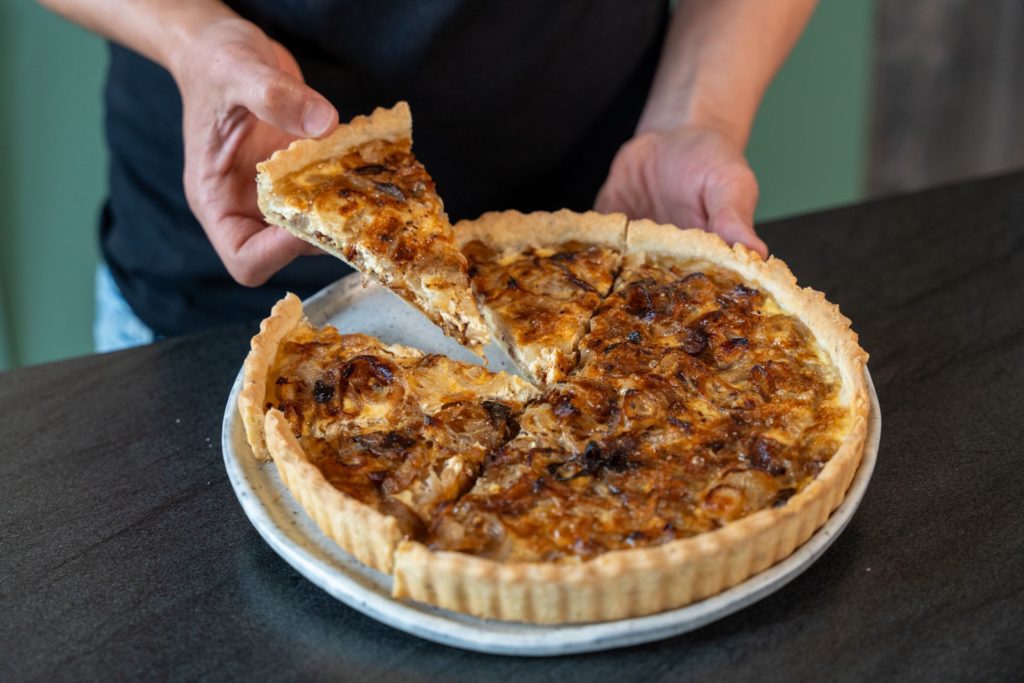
53,178
808,149
810,141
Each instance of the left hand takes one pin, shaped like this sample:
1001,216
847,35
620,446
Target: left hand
692,176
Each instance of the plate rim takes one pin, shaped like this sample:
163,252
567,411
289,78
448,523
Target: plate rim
514,638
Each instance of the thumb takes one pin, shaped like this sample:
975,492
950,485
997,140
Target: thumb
282,100
729,203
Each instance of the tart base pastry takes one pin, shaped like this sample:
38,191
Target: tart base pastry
713,418
639,581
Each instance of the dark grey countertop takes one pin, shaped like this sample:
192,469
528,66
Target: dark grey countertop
124,553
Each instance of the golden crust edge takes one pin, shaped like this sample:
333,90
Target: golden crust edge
624,583
284,317
388,124
514,230
628,583
368,535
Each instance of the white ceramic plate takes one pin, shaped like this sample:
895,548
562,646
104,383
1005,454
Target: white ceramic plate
295,537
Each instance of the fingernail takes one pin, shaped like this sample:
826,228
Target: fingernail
319,115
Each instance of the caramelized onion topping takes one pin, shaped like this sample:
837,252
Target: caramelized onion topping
695,402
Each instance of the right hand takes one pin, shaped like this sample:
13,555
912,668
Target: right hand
694,176
244,98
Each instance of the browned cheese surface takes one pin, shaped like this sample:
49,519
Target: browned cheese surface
395,429
542,297
696,402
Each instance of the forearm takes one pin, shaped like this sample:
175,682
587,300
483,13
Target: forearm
158,29
718,59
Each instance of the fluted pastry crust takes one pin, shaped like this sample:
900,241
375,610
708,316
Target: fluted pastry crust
618,583
633,582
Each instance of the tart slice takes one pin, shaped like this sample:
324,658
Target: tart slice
361,195
372,439
538,278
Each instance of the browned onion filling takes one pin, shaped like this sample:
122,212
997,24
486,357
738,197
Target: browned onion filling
695,402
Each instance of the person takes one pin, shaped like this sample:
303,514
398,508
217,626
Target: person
632,107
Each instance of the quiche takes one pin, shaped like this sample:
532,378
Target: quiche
696,417
361,195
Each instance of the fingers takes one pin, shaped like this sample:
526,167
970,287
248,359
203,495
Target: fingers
252,251
728,225
606,202
730,198
244,101
614,197
282,100
625,189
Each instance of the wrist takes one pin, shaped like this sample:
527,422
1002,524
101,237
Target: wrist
688,109
191,35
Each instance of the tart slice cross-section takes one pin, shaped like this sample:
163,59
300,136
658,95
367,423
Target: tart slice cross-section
538,278
371,438
361,195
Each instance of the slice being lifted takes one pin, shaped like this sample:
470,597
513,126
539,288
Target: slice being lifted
539,277
361,195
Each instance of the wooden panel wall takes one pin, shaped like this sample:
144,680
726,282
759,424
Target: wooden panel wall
948,92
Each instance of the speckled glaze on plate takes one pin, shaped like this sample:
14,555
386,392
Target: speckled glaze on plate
295,537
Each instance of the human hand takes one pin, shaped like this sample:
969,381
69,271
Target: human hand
693,177
244,97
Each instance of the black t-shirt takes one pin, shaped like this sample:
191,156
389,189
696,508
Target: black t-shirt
515,105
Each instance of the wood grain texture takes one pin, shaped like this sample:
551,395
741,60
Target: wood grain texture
948,97
124,554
